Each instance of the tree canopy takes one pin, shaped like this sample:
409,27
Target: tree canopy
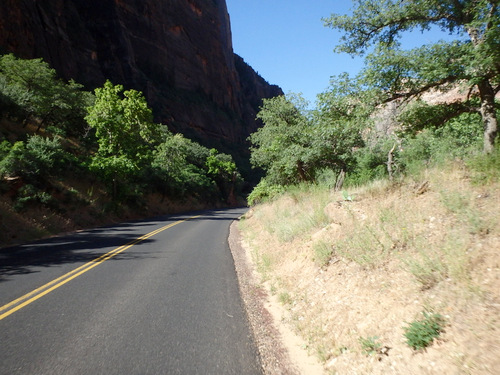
282,146
107,136
30,88
123,122
296,144
472,59
125,131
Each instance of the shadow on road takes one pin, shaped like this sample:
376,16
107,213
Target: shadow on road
85,246
78,247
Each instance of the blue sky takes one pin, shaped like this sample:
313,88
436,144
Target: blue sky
286,43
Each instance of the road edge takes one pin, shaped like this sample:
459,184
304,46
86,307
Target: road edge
276,356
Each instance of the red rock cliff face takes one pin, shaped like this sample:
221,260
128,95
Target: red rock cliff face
178,52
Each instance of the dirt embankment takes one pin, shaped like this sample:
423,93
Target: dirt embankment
348,278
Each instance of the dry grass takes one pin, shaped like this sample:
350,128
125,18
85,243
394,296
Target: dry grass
369,267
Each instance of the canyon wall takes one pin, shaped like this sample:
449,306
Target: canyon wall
178,52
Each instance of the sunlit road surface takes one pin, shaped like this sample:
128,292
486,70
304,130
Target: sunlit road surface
152,297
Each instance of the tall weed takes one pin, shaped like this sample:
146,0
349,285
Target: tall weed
485,168
427,267
430,263
300,211
323,251
462,205
369,239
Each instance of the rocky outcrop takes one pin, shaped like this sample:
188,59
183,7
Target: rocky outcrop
178,52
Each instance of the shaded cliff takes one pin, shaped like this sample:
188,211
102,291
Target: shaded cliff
178,52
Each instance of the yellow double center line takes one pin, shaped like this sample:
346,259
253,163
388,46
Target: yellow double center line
32,296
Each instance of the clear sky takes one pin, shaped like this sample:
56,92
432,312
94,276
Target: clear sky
286,43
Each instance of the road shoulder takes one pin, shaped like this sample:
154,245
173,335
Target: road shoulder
279,348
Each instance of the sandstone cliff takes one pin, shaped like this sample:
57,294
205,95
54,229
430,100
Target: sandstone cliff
178,52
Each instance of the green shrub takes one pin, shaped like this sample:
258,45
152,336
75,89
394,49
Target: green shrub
421,333
44,155
485,167
12,164
35,158
5,147
285,298
458,138
264,191
30,194
371,164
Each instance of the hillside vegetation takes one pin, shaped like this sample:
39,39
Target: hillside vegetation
72,159
397,277
376,225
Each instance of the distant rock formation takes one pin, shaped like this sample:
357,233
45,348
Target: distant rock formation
178,52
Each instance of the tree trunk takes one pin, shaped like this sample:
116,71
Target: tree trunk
488,114
340,180
232,197
487,95
115,189
390,161
300,169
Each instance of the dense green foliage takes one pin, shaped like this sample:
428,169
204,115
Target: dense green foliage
283,146
177,167
264,191
378,124
472,59
30,89
125,133
108,136
297,145
36,158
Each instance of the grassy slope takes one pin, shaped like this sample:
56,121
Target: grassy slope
351,274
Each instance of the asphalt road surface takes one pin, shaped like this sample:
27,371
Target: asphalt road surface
152,297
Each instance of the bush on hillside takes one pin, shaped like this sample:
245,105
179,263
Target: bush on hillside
34,159
264,191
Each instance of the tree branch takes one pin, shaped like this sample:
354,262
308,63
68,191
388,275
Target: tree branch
420,90
491,15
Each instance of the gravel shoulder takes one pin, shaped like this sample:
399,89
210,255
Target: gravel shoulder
280,349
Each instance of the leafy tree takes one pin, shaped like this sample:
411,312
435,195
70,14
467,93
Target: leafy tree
33,87
297,145
282,147
342,114
474,60
125,132
36,158
123,122
28,83
178,166
220,164
170,160
223,170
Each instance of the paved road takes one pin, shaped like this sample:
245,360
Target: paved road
167,303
